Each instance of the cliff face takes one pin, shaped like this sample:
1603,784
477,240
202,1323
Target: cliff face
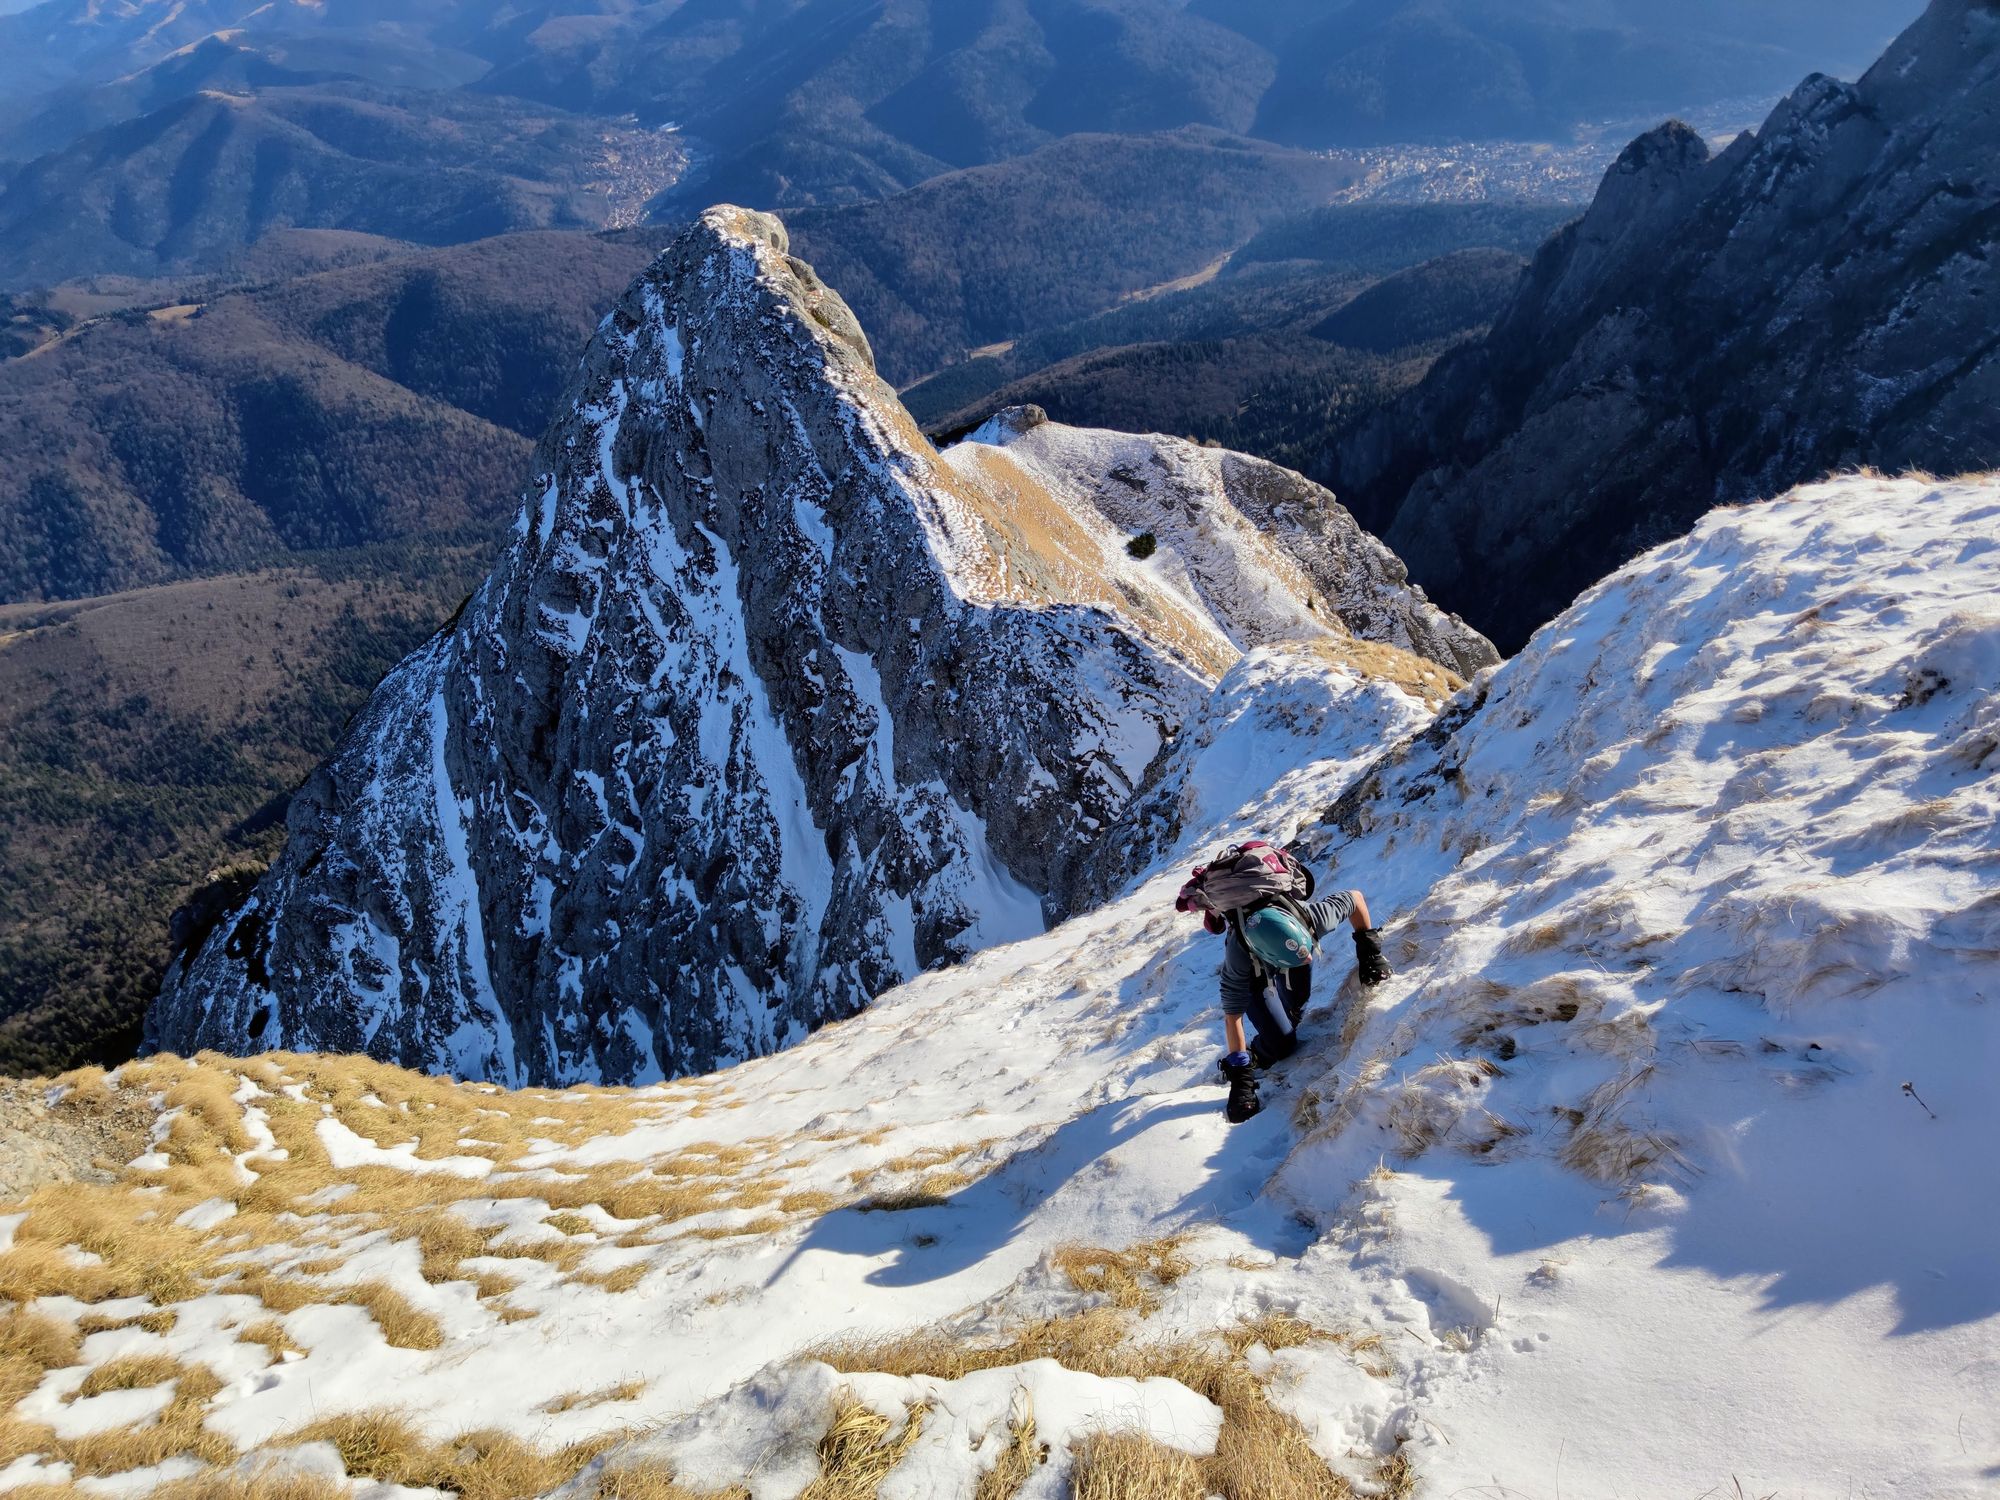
1818,296
766,709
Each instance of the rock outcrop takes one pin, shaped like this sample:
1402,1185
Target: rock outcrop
766,708
1818,296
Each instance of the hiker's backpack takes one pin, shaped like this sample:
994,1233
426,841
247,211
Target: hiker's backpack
1246,876
1243,878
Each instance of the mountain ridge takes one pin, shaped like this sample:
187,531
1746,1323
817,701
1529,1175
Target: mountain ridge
1711,331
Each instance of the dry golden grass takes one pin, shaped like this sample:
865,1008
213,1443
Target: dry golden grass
621,1280
1041,554
31,1345
1024,1453
767,1224
859,1449
654,1481
1279,1330
177,1433
1416,675
626,1390
482,1465
402,1322
811,1203
130,1372
210,1486
1607,1148
1131,1278
1262,1453
902,1202
1396,1477
1125,1466
159,1320
269,1333
489,1284
266,1486
297,1211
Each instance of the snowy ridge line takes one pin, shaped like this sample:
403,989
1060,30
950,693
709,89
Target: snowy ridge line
689,777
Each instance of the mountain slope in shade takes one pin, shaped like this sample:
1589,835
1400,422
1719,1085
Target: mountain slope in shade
367,404
196,180
1819,296
231,62
766,709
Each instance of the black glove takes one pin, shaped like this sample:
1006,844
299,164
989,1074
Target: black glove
1368,956
1243,1101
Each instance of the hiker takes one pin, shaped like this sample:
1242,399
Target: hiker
1260,899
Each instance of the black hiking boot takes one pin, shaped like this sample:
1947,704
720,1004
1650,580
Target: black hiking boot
1243,1101
1368,957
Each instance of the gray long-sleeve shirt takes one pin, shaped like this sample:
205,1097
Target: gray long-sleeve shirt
1240,984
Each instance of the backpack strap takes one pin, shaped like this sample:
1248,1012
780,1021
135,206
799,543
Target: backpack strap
1235,921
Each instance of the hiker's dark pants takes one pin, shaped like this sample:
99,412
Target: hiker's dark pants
1273,1014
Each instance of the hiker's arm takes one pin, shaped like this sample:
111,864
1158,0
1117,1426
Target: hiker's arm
1326,915
1239,991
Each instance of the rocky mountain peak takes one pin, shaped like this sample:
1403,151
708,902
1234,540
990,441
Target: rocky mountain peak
767,707
1715,330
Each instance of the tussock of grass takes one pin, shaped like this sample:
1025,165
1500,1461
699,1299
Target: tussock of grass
132,1372
31,1345
859,1449
810,1203
1126,1466
1280,1330
1024,1454
654,1481
159,1320
569,1223
621,1280
1131,1278
402,1322
903,1202
271,1485
1396,1477
1607,1148
490,1284
482,1465
269,1333
627,1390
565,1254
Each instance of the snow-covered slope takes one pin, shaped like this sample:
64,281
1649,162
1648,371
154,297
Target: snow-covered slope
1615,1190
766,709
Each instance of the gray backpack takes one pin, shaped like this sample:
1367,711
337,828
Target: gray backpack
1246,876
